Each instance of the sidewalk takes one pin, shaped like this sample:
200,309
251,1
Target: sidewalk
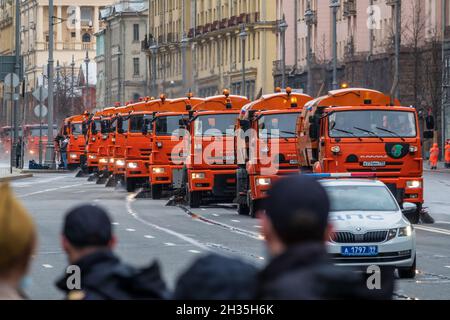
441,167
6,176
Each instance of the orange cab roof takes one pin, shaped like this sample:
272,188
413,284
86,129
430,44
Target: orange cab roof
278,101
219,103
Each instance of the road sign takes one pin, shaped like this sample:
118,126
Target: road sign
12,80
38,113
15,97
8,65
37,94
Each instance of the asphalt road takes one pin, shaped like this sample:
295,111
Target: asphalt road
149,230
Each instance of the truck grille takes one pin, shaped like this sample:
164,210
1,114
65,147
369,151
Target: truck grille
369,237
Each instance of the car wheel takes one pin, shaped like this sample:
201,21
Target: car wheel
243,210
156,192
408,273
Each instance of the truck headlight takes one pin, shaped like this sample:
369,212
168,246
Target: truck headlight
111,160
103,160
92,156
132,165
73,156
392,234
94,139
120,163
414,184
413,149
405,232
336,149
263,181
158,170
31,151
198,175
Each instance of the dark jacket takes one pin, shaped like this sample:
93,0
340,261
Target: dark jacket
105,277
64,144
305,272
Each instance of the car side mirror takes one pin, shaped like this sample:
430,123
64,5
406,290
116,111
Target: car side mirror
244,124
409,208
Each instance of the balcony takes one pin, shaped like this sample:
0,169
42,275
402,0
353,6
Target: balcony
233,21
215,26
349,8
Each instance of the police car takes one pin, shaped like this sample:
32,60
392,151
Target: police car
369,227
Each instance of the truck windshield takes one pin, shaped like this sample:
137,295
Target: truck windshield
361,198
137,123
278,125
215,125
35,132
166,126
77,128
372,123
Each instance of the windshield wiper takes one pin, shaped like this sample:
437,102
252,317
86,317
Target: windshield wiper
392,132
369,132
348,132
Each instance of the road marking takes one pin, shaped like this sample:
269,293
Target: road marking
134,214
434,230
237,221
51,190
115,223
149,237
215,215
47,266
257,227
170,244
194,251
203,209
131,230
442,222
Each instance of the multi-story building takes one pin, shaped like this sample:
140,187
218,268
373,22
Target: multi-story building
7,27
206,46
122,70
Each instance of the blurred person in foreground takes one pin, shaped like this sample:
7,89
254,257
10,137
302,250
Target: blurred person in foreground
295,226
17,245
88,240
215,277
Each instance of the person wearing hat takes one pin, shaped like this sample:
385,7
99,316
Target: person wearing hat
296,230
434,156
88,240
17,245
215,277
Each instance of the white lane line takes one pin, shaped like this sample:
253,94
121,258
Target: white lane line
447,267
51,190
194,251
237,221
215,214
47,266
257,227
134,214
442,222
203,209
38,181
149,237
115,223
170,244
434,230
130,230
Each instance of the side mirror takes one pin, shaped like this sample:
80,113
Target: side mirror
145,127
409,208
428,134
84,129
244,124
120,125
93,128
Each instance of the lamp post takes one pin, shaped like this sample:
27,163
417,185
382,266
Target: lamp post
243,35
309,22
72,91
283,27
154,51
49,156
87,61
184,44
335,5
58,79
17,71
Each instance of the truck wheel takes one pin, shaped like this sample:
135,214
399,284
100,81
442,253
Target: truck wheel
407,273
243,210
194,199
131,185
156,191
254,206
414,218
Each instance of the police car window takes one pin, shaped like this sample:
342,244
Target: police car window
361,198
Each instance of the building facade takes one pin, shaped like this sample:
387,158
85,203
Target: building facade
122,70
206,46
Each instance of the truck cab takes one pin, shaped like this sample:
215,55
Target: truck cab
362,130
75,128
266,146
31,140
210,171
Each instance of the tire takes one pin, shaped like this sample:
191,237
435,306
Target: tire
254,206
243,210
131,185
194,199
414,218
408,273
156,191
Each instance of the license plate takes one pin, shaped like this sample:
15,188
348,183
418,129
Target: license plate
359,251
374,164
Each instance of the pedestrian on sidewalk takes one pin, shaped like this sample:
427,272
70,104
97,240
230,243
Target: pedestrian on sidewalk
434,156
63,150
57,144
88,240
296,229
447,154
17,246
18,152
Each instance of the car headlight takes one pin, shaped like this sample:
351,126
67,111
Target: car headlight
73,155
405,231
120,163
263,181
111,160
158,170
132,165
392,234
92,156
198,175
414,184
103,160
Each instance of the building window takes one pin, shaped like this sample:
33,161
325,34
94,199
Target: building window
73,34
136,70
86,37
135,32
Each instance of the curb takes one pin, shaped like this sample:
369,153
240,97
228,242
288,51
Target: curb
17,177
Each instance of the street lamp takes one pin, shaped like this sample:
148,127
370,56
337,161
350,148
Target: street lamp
243,35
309,22
87,61
154,51
283,27
49,156
335,5
72,92
184,44
58,71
